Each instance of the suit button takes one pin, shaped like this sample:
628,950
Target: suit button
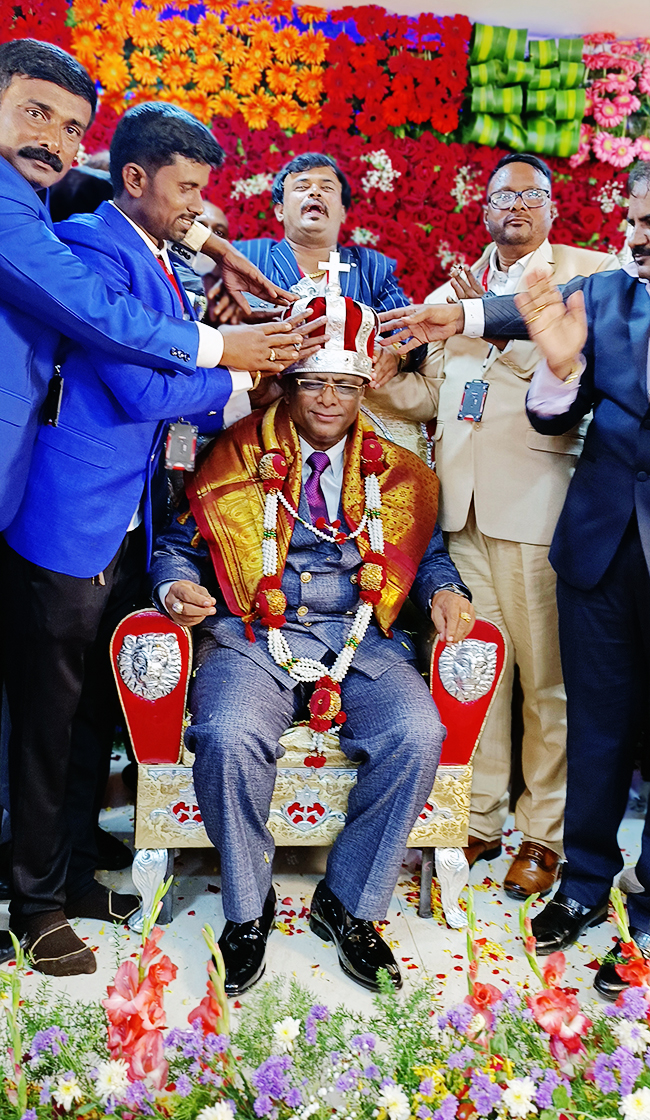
302,611
305,577
306,623
353,578
642,476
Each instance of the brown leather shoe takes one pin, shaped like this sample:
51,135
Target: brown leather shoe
480,849
533,871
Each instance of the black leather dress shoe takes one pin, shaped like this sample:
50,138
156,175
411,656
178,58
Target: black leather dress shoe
243,948
7,952
361,950
562,921
608,983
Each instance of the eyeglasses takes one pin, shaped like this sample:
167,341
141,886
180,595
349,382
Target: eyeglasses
532,198
341,388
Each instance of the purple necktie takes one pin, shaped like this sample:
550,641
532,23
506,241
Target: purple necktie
318,461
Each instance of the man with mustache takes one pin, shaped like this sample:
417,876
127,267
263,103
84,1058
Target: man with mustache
502,488
596,348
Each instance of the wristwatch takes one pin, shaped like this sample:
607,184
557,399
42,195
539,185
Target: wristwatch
457,589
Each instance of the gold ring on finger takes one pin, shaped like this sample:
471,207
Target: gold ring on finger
538,310
466,617
177,607
272,357
532,318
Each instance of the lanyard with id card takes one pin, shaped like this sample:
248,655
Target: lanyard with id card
180,449
473,402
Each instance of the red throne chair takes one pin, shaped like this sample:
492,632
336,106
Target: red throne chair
151,657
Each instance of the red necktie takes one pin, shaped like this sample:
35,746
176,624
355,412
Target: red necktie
170,276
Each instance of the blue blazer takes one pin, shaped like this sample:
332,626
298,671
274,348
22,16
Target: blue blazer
371,279
88,475
46,290
612,477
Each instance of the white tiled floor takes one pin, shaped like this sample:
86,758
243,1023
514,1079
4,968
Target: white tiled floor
421,947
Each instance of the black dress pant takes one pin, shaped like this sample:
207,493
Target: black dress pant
62,704
605,646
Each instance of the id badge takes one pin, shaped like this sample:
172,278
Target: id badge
180,449
473,402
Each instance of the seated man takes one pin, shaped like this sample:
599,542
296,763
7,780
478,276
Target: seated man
304,535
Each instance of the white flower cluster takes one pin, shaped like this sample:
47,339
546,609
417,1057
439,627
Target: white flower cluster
218,1111
383,174
112,1080
447,256
255,184
518,1097
636,1106
634,1036
395,1101
465,188
68,1092
285,1032
361,236
609,196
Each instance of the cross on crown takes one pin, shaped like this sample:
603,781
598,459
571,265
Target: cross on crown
333,267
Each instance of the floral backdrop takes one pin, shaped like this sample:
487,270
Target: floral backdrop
389,97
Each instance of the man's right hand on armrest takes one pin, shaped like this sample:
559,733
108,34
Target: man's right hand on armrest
189,603
420,324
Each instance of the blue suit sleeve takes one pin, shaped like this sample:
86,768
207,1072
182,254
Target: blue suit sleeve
174,556
38,271
502,319
436,568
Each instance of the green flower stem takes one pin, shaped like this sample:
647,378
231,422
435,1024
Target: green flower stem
621,916
14,1028
526,931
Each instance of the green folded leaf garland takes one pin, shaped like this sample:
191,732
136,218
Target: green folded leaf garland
534,103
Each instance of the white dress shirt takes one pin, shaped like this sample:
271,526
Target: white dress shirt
500,282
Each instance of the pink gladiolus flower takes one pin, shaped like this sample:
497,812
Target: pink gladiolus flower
607,113
125,997
209,1011
147,1060
553,969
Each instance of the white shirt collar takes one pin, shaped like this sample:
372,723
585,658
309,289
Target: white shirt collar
335,454
149,241
500,277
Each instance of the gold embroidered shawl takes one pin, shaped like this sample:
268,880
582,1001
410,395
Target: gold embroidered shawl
227,499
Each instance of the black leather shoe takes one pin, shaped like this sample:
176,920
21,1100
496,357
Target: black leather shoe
608,983
7,952
562,921
361,949
243,948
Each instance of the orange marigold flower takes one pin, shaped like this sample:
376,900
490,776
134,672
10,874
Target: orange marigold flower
313,47
225,104
308,117
114,101
245,78
116,18
157,5
232,48
145,28
209,30
309,14
286,112
87,47
176,34
87,11
209,74
264,32
145,67
287,45
280,9
176,70
113,73
111,42
257,109
259,54
199,103
281,79
310,84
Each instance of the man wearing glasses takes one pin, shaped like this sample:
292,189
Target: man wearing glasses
502,488
303,536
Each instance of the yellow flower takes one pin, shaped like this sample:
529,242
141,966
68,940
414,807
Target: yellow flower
145,67
310,84
209,74
113,72
244,78
209,30
176,34
313,47
144,28
259,53
257,109
264,32
287,45
225,104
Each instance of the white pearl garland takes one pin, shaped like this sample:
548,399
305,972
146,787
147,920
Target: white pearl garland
307,670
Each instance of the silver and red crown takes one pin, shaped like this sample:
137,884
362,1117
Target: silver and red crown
351,327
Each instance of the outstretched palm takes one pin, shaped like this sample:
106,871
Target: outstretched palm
559,329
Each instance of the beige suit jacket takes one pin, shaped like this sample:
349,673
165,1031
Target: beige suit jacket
517,477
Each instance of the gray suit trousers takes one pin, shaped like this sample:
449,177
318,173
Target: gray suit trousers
239,711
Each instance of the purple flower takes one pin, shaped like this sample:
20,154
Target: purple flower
46,1092
447,1109
547,1084
348,1080
263,1106
189,1042
510,999
603,1076
318,1011
270,1078
426,1087
293,1098
458,1017
363,1043
335,1057
387,1082
216,1044
29,1115
461,1059
423,1112
371,1072
484,1093
138,1096
183,1085
633,1005
629,1067
51,1039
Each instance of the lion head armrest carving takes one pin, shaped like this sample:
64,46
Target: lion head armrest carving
464,681
151,658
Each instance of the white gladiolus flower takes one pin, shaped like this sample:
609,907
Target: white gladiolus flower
285,1031
636,1106
395,1101
67,1092
634,1036
218,1111
518,1096
112,1079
